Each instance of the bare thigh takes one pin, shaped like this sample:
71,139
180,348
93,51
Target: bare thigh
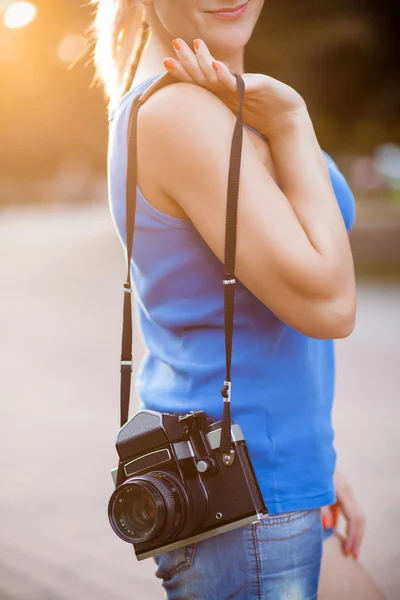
343,576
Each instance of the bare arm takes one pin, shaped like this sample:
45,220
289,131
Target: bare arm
185,134
304,178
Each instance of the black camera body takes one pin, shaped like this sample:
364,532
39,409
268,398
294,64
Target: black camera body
174,486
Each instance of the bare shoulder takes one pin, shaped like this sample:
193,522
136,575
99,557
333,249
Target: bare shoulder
180,104
159,121
181,108
170,123
173,98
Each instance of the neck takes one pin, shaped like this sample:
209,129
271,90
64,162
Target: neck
159,46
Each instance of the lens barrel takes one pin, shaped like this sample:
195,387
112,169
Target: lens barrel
147,507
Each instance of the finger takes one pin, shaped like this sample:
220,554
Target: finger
225,76
354,532
189,61
326,517
174,67
335,514
361,522
355,526
205,60
216,72
350,533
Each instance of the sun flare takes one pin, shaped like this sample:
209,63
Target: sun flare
19,14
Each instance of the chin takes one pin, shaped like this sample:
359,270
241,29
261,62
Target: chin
228,42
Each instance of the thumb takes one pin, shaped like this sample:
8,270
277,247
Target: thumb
334,513
327,516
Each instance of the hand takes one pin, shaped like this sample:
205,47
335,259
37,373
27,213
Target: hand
352,512
268,104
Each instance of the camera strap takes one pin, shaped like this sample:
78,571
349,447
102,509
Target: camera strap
229,259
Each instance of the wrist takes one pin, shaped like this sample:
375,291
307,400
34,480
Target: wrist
288,123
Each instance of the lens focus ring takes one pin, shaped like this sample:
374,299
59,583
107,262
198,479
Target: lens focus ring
148,506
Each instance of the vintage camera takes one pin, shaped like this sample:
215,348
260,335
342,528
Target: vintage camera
175,487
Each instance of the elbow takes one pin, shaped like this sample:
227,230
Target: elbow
338,318
346,325
343,325
327,315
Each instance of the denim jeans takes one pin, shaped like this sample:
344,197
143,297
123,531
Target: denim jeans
277,558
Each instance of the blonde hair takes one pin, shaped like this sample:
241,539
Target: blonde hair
120,34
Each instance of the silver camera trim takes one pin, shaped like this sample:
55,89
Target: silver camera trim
161,451
214,437
185,450
203,536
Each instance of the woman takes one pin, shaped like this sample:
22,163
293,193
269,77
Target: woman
295,290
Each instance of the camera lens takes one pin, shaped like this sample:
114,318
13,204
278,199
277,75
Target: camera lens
142,511
148,506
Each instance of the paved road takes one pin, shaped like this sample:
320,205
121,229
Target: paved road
60,318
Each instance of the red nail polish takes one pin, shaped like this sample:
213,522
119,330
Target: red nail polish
196,44
326,521
215,66
176,44
168,63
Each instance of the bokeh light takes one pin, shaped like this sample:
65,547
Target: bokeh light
19,14
71,47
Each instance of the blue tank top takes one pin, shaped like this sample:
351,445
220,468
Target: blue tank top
282,380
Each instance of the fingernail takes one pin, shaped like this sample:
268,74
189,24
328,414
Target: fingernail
196,44
356,553
176,44
168,63
347,549
215,66
326,521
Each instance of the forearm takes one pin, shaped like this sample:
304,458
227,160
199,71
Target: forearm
303,176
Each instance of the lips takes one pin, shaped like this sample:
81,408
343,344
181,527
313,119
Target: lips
227,10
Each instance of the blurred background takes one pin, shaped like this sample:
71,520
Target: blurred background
62,270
